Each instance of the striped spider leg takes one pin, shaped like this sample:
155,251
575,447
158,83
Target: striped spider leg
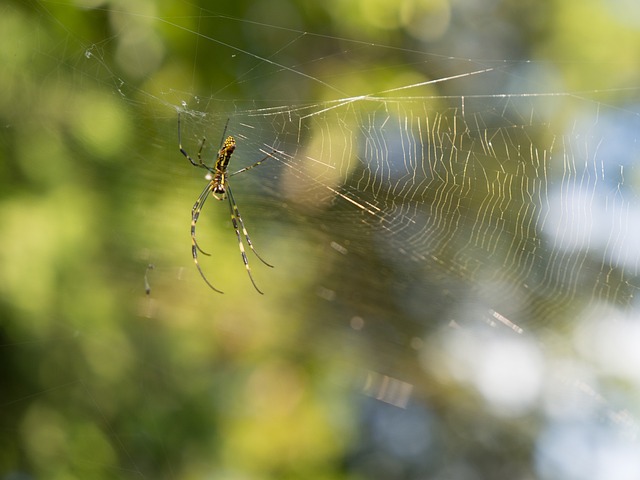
219,188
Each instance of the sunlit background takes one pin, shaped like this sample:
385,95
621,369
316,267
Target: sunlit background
449,197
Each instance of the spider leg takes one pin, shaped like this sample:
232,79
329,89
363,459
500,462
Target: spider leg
235,219
184,152
252,166
244,230
195,214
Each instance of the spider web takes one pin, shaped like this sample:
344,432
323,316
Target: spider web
453,240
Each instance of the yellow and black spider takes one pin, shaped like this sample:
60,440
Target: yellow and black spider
218,186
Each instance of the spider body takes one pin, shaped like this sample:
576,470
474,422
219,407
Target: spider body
219,188
222,163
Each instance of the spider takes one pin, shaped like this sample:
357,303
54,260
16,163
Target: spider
219,187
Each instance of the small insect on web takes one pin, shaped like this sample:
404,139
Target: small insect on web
219,188
147,285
